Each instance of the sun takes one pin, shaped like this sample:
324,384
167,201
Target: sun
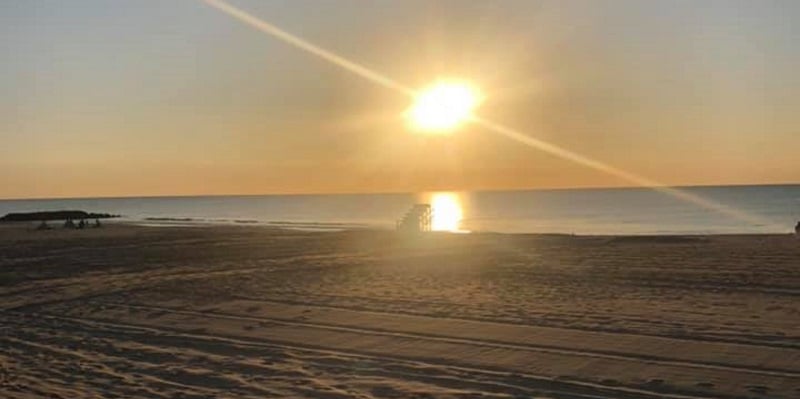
443,106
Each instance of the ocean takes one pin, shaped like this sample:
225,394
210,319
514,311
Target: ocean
567,211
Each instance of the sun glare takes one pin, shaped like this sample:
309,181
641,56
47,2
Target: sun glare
446,212
443,106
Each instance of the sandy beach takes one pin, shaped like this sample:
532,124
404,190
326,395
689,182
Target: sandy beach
249,312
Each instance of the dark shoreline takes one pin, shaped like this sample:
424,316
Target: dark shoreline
616,239
47,216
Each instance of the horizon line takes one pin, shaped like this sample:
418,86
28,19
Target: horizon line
388,192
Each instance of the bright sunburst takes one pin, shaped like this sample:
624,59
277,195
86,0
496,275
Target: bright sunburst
443,106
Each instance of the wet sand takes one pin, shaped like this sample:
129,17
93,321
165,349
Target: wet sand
251,312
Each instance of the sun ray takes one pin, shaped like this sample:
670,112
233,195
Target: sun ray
608,169
306,46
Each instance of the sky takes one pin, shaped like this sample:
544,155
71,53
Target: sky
150,97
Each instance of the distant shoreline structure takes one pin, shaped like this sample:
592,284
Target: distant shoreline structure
53,215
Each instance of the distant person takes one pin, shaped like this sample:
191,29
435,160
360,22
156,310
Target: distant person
69,224
81,224
797,229
97,223
43,226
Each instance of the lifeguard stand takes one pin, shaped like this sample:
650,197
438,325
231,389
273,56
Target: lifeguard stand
416,220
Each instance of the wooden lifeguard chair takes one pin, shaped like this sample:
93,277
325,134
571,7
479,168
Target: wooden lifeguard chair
416,220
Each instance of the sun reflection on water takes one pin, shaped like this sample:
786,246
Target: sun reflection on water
447,211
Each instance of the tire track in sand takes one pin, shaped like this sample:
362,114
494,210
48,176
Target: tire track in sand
477,342
493,381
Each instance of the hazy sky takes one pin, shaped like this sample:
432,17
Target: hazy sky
118,98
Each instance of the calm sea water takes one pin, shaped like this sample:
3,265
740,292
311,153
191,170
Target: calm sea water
579,211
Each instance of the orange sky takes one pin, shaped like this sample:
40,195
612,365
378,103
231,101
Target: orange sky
175,98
